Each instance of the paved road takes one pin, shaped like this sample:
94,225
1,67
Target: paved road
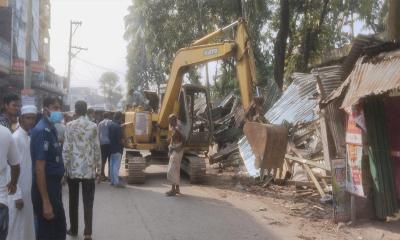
143,212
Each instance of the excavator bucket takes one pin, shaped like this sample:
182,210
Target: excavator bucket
268,143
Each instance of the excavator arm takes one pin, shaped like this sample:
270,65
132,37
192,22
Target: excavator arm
203,51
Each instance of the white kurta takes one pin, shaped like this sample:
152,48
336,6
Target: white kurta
21,222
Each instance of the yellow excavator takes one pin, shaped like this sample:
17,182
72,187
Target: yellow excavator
147,130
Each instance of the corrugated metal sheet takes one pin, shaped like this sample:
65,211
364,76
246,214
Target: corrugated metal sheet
296,104
357,48
379,75
331,77
248,157
337,92
271,93
380,160
336,122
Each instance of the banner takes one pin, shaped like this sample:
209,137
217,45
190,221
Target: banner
28,97
354,147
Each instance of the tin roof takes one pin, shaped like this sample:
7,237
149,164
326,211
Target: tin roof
331,77
297,103
373,76
358,46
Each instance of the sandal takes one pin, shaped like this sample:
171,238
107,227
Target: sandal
170,193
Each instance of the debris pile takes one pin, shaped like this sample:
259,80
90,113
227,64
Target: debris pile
228,119
297,110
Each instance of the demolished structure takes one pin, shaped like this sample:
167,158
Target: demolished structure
342,131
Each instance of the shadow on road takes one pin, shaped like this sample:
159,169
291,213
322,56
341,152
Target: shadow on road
144,212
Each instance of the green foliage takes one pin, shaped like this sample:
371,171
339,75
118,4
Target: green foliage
316,26
169,25
157,29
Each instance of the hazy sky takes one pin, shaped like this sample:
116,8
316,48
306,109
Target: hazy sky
101,32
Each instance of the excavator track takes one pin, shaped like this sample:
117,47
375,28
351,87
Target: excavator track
195,167
157,157
136,166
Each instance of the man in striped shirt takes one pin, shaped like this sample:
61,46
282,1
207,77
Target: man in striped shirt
11,109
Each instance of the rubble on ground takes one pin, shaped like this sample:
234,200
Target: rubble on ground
304,174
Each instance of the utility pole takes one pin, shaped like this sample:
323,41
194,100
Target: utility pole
28,48
72,29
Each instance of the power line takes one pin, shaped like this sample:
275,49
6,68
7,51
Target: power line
99,66
72,29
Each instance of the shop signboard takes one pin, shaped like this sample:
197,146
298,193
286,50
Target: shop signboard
354,147
38,69
28,97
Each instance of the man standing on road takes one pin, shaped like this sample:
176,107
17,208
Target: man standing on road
116,149
21,224
175,154
104,129
11,109
48,171
82,163
8,156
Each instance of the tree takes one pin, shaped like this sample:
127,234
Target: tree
286,35
314,27
170,25
281,42
394,19
110,88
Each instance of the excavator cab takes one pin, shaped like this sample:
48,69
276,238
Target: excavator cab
195,115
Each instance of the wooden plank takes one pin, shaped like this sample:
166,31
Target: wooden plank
353,208
324,139
314,179
325,184
304,194
294,183
281,172
306,162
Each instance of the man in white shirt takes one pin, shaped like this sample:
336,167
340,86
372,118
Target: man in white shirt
21,224
82,161
8,156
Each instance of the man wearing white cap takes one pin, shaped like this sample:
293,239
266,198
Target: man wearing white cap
21,222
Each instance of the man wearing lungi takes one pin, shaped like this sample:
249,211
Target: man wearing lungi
175,154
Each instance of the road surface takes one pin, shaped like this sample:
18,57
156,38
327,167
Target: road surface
144,212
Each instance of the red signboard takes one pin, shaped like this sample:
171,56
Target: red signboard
19,64
354,147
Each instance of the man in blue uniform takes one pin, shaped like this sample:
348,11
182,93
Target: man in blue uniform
48,170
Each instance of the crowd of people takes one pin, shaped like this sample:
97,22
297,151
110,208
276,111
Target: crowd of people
39,151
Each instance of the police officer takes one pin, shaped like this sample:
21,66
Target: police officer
48,170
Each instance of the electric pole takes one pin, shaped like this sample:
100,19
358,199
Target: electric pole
28,48
72,29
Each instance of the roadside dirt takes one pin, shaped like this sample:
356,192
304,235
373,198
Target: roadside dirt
293,215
